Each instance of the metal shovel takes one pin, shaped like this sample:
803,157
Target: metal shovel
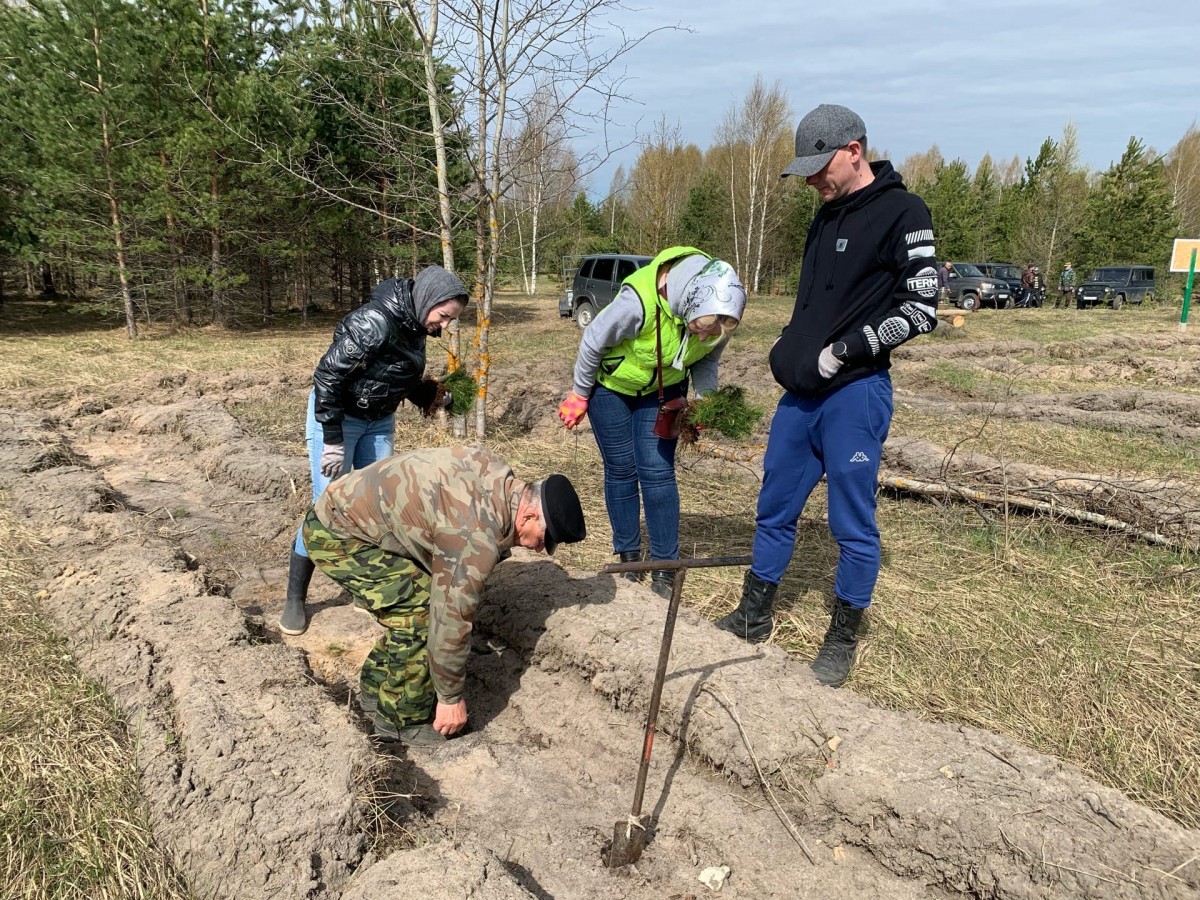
629,835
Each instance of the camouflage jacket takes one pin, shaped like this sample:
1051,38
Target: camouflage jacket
452,512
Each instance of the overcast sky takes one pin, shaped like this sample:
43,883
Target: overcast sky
972,77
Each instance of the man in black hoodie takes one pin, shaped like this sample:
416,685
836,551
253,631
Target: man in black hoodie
868,284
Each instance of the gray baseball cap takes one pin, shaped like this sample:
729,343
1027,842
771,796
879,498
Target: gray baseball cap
820,134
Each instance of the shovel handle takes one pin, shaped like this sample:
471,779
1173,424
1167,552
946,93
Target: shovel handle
668,565
660,674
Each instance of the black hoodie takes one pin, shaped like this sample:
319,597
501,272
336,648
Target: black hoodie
869,279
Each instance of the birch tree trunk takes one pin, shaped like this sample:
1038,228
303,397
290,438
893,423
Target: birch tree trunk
752,133
427,34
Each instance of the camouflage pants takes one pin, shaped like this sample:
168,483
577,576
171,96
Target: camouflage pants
396,591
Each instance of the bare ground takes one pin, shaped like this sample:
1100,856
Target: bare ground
158,509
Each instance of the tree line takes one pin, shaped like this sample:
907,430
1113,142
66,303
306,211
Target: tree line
229,160
226,160
1045,211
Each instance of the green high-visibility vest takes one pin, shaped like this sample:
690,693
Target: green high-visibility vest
631,367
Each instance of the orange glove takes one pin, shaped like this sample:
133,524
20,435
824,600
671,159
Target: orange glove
572,409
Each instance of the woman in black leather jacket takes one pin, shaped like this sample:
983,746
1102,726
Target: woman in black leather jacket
376,360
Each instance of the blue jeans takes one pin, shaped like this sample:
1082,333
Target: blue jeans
366,441
633,455
839,435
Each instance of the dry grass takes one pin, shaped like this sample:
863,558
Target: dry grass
1092,450
1073,641
1076,642
71,821
1051,326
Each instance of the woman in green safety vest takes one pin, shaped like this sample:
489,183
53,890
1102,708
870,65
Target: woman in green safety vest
670,321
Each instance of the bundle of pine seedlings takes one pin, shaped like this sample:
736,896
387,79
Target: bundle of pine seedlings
462,390
724,410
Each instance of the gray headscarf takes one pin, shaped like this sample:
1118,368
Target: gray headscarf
432,286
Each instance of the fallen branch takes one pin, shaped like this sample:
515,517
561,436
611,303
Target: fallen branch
957,492
775,805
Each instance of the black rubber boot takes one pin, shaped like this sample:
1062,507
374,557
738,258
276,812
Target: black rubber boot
662,582
836,656
751,621
294,619
632,556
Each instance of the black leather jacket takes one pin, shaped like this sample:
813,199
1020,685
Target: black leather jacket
375,361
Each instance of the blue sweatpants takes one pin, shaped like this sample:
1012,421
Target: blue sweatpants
838,435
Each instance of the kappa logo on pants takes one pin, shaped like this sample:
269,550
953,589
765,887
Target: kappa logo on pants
860,457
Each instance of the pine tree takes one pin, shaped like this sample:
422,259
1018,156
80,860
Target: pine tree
704,222
957,217
1130,216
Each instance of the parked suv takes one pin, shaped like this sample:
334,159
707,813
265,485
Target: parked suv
1006,272
595,284
1115,286
969,288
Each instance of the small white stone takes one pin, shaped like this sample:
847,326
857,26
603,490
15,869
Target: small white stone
714,877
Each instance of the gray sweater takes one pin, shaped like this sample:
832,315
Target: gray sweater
618,322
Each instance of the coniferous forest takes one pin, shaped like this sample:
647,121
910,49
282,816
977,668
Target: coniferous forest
226,161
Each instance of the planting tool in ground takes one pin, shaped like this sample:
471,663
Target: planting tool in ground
629,835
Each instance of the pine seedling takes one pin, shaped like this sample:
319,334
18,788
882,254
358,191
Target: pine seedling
724,410
462,389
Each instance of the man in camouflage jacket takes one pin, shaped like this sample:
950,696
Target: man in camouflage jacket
413,538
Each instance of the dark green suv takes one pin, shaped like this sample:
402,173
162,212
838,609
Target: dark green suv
1115,286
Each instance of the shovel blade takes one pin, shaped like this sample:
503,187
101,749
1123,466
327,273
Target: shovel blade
629,839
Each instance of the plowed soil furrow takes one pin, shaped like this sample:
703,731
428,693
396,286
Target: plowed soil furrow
169,524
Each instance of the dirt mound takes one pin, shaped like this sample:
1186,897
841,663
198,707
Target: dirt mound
932,351
443,869
250,773
1092,347
258,777
1166,414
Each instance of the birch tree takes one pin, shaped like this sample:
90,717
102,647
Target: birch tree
757,135
1183,176
920,169
664,174
545,174
501,51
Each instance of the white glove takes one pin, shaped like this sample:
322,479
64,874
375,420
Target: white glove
333,457
827,363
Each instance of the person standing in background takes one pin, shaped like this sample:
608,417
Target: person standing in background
1066,287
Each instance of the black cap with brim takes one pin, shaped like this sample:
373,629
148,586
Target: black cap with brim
562,513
